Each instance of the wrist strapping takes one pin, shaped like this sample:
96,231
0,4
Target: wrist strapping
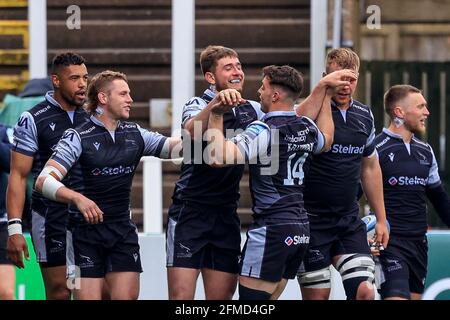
14,226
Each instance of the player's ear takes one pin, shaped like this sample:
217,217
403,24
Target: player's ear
102,97
55,81
398,112
209,77
275,96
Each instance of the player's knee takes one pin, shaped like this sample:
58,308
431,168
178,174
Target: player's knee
318,279
365,291
125,295
357,272
58,292
181,292
246,293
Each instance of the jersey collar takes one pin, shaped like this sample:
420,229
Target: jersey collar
209,93
51,100
278,114
333,104
393,135
99,123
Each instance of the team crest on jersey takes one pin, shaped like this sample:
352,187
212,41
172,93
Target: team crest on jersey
363,126
245,117
52,126
391,156
423,159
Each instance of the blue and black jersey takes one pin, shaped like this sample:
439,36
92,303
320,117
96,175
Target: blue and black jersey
200,183
408,169
276,149
332,179
101,164
36,134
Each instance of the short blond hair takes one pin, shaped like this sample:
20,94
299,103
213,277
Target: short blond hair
395,94
212,54
98,83
344,57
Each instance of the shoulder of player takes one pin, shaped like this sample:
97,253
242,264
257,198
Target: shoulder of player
84,129
256,127
251,104
41,110
421,144
196,101
359,106
123,125
381,141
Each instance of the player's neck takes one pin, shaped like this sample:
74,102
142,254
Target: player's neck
109,123
281,107
402,131
343,106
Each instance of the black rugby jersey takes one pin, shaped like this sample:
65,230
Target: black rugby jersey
408,169
332,179
36,134
101,164
200,183
276,149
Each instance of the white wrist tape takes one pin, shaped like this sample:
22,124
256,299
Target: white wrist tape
14,227
50,186
51,171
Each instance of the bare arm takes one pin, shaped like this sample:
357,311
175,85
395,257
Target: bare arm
325,122
87,207
225,152
371,179
20,168
15,198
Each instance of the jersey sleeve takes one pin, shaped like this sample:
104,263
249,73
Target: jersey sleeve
433,177
154,143
68,149
320,143
25,135
192,108
369,148
254,141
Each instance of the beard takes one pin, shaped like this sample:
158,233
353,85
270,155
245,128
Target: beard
72,101
417,130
